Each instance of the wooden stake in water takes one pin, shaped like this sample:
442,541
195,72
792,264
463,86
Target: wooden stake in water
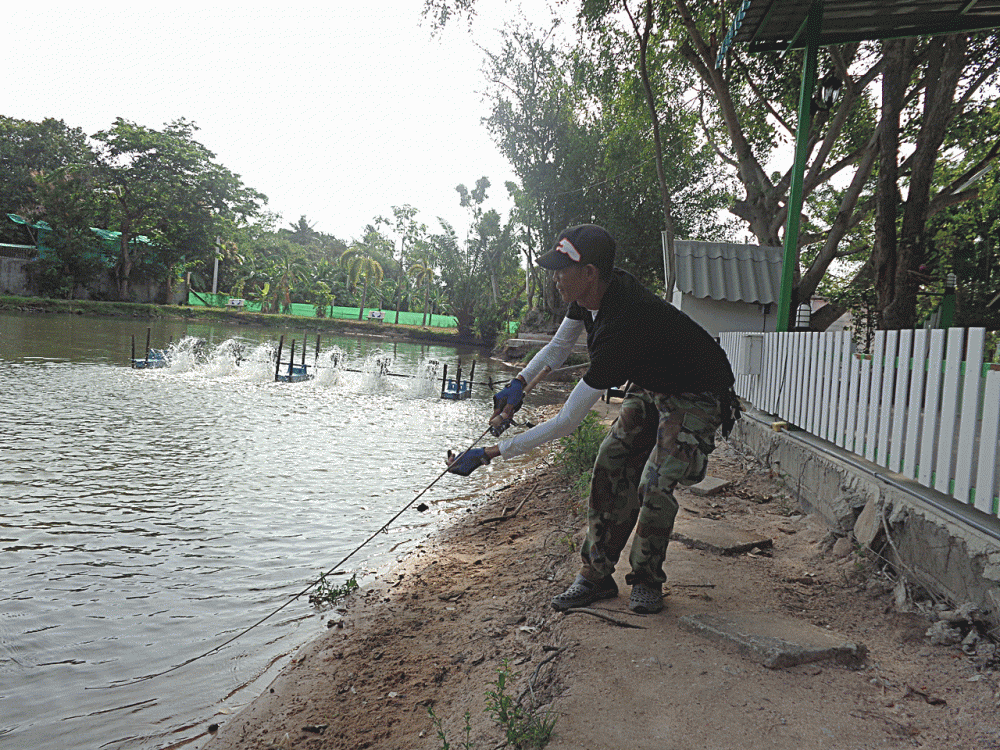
277,362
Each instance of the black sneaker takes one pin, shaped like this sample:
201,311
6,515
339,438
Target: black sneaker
645,599
584,591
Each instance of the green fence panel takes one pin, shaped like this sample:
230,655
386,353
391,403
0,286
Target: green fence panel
202,299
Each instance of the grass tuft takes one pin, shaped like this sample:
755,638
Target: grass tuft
326,595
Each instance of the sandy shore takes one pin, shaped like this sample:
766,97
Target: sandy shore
434,632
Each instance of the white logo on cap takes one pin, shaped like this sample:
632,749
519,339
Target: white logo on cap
566,247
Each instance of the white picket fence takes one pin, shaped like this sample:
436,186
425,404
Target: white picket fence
924,403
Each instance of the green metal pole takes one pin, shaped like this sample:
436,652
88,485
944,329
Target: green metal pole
814,25
948,303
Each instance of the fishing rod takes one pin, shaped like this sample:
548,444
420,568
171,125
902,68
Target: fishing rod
124,683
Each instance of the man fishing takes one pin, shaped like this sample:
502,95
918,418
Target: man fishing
680,393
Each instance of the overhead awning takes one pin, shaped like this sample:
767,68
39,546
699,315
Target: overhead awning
779,24
110,236
43,225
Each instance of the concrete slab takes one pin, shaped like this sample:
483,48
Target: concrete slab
776,641
709,486
718,537
868,527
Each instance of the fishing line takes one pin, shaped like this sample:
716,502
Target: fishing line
298,595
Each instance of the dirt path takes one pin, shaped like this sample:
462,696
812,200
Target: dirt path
435,633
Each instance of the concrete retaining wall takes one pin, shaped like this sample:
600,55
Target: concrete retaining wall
951,549
13,279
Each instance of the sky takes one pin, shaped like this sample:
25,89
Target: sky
337,111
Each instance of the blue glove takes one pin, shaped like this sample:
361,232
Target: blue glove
468,462
512,395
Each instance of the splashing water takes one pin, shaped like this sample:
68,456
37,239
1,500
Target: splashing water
425,381
238,359
328,367
233,358
375,371
186,353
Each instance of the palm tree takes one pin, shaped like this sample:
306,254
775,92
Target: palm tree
423,275
402,288
302,232
359,263
289,269
439,302
333,276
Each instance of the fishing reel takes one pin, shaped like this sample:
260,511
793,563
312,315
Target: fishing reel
498,429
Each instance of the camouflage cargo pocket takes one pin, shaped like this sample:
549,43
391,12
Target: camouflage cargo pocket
697,434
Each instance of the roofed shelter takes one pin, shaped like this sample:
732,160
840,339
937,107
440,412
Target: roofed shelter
103,256
811,24
727,286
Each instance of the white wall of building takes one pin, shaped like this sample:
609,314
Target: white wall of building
716,316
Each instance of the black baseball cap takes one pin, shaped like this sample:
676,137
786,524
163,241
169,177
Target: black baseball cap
584,244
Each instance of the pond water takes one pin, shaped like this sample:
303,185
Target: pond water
147,516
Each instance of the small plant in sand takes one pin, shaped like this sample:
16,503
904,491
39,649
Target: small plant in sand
325,594
523,728
569,541
439,728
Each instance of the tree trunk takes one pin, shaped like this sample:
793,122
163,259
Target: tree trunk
364,298
528,276
669,274
894,79
124,268
901,252
763,206
494,287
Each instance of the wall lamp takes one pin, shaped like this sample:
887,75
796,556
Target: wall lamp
827,92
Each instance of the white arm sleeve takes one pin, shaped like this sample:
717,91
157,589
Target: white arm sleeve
580,401
556,351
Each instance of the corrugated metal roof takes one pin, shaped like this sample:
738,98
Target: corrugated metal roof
778,24
727,271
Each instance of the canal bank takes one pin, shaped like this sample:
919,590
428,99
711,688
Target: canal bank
433,632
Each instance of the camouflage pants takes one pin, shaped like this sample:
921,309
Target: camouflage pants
657,442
